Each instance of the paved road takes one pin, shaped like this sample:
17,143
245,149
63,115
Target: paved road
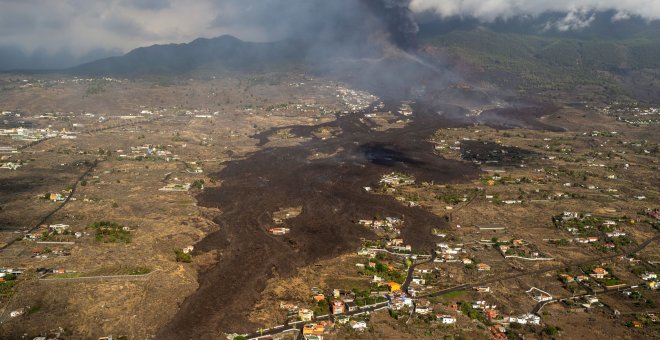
411,270
300,324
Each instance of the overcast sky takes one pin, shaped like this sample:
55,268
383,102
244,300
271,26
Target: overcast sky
87,28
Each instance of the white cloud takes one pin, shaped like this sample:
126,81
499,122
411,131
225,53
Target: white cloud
574,20
489,10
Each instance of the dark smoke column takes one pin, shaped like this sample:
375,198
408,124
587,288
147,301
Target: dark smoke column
398,19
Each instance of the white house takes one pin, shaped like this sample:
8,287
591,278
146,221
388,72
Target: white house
649,276
58,228
446,319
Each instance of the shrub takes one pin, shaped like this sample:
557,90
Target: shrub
182,257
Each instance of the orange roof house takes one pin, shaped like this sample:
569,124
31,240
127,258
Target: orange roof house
599,273
394,286
490,313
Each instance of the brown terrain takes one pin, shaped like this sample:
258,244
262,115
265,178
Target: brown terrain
261,153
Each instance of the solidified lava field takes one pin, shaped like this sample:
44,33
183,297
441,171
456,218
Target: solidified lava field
331,193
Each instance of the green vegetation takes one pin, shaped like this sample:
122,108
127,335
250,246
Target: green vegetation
198,184
138,271
383,271
472,313
33,309
586,226
533,62
562,242
551,330
322,308
96,87
452,295
182,257
7,286
449,198
111,232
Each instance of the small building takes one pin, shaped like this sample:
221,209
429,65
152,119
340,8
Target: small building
314,329
483,289
359,325
58,228
490,314
581,278
350,306
338,307
279,231
305,314
649,276
566,278
423,307
483,267
539,295
419,280
394,286
599,273
446,319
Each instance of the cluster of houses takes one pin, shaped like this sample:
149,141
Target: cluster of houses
148,151
44,231
405,109
519,248
588,232
651,280
387,223
634,115
26,134
355,100
389,229
396,179
342,302
525,319
398,299
448,253
452,146
315,330
489,311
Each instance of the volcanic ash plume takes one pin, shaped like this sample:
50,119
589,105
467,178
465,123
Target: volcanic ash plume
399,21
